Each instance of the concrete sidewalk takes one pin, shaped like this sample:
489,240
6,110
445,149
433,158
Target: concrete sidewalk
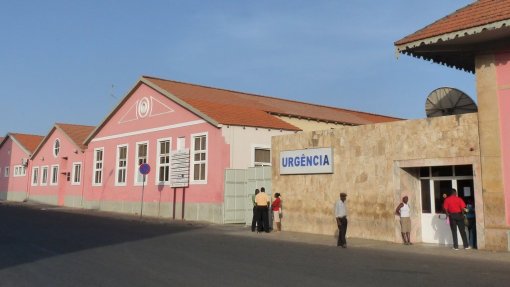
357,243
296,237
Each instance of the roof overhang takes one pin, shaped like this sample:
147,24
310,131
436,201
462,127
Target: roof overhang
458,49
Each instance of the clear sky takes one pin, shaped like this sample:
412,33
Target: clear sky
72,61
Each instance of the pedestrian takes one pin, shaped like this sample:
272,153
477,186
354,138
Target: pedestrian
262,201
471,219
341,220
276,206
454,207
404,211
255,215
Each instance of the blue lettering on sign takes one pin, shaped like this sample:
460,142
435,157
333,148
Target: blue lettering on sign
311,160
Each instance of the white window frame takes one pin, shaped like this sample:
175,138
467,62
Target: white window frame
258,147
19,171
193,161
44,175
95,170
159,164
35,176
56,149
6,171
76,173
119,168
138,180
55,169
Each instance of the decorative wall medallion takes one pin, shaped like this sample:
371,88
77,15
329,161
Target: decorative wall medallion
144,107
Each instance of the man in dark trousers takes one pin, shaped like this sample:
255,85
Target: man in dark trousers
255,217
341,220
262,202
454,206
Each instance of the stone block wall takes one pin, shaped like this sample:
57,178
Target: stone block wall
366,167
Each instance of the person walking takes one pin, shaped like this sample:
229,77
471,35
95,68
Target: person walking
262,201
404,211
454,206
276,206
255,214
341,220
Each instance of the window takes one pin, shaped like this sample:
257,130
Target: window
44,176
121,164
181,143
163,175
54,175
98,167
35,176
19,170
76,176
262,157
6,171
56,147
141,158
199,158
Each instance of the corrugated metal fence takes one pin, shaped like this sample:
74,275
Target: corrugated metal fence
240,185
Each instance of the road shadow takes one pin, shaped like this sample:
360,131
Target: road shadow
31,232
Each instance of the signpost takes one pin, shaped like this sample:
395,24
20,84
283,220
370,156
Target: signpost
180,175
144,169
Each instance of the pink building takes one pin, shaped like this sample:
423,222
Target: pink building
188,135
210,129
57,166
15,152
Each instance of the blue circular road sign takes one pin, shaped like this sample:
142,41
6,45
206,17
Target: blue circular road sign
144,168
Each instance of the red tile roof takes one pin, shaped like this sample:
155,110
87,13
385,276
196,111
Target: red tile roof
477,14
77,133
238,108
29,142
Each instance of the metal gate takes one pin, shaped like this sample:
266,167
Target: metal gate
240,185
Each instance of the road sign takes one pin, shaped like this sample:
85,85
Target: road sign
144,168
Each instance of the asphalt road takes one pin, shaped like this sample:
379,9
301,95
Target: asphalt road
58,247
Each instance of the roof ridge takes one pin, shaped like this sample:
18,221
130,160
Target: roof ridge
268,97
74,125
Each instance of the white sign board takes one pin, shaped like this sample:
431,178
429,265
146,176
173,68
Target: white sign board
179,171
306,161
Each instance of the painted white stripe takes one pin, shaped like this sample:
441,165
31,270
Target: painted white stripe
180,125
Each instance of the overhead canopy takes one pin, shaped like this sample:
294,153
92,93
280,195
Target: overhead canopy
456,39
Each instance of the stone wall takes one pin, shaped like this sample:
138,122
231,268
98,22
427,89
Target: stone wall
367,167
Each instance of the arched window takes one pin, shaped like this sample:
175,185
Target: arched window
56,148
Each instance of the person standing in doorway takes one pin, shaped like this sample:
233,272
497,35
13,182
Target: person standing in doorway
276,206
341,220
255,214
404,211
454,206
471,218
262,201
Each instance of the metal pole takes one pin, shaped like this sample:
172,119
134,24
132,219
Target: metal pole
141,205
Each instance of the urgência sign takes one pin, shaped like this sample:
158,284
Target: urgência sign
306,161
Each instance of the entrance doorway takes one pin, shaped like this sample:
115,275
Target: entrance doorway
436,182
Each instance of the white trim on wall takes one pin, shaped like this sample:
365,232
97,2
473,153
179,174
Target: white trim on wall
95,170
192,158
138,178
118,167
169,127
54,174
44,175
79,171
34,181
158,161
253,147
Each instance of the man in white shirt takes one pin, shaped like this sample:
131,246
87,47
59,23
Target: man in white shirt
341,220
